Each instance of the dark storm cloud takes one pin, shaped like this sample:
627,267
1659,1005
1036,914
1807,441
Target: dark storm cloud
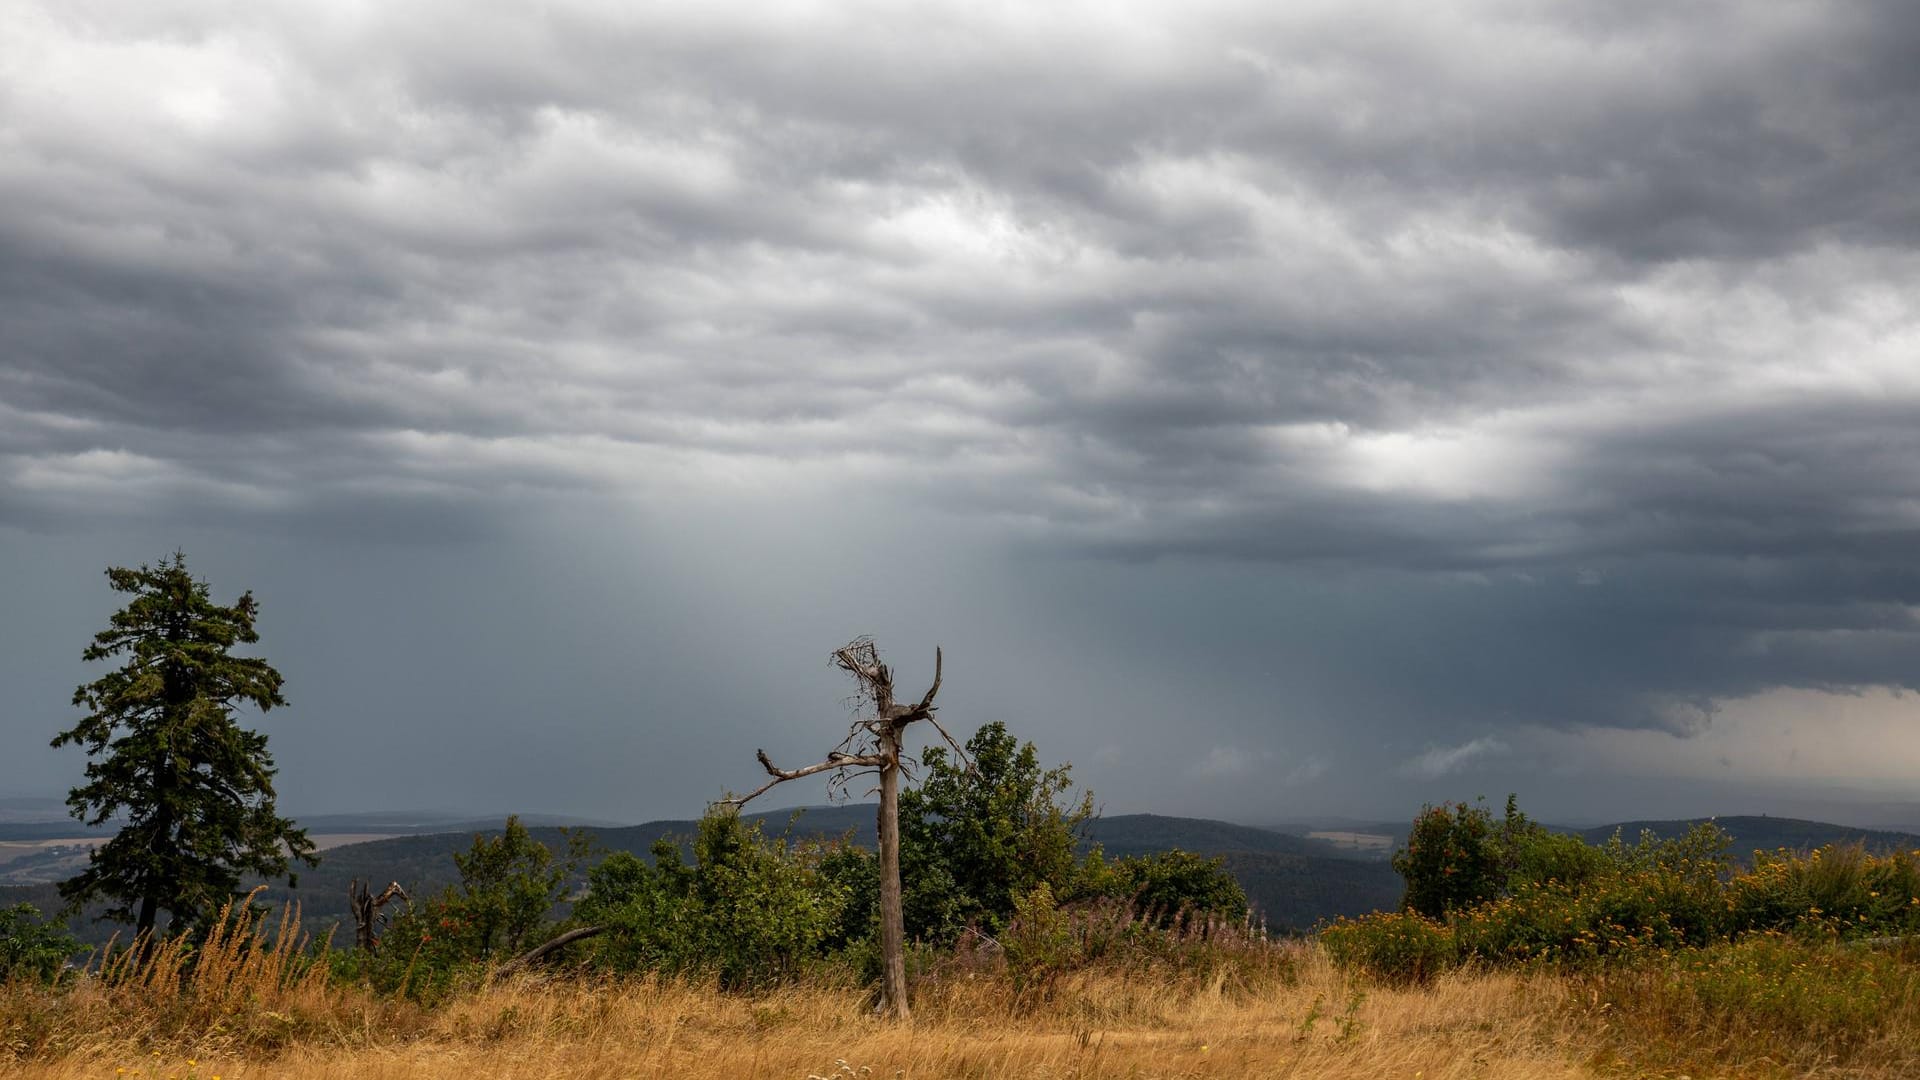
1584,331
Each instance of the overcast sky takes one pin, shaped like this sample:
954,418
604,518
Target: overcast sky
1274,409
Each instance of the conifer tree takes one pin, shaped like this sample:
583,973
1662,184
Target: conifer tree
195,789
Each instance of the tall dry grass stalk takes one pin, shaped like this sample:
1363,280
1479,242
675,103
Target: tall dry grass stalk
1499,1027
252,985
1319,1023
241,958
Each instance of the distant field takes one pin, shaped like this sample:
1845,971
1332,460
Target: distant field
38,862
42,862
1358,841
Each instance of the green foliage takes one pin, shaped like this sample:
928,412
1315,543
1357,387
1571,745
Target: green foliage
1046,941
32,948
1451,860
509,884
1840,891
1457,856
1775,1003
1397,947
972,841
421,957
1176,888
1654,895
853,871
749,910
195,788
1767,981
1567,903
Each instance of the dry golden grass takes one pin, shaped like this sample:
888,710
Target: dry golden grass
252,1007
1487,1026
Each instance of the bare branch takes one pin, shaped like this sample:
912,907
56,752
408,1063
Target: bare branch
539,952
835,760
365,908
860,659
959,751
926,703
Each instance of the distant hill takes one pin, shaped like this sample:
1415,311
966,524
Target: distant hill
1761,833
34,824
1294,881
1144,834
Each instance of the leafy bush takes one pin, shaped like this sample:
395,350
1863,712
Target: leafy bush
1818,991
32,948
424,954
1770,1002
749,910
1842,891
1177,888
1458,856
1046,941
509,885
974,840
1392,946
1451,860
855,872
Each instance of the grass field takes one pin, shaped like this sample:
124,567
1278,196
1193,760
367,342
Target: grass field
1489,1026
1319,1022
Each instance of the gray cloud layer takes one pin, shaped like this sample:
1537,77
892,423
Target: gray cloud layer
1512,363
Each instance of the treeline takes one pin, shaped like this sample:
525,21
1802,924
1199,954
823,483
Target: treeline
996,871
988,853
990,847
1488,890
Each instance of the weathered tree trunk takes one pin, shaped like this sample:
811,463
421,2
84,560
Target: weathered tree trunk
893,924
365,908
540,952
875,745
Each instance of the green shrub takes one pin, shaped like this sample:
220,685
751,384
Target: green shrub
1457,856
1795,1006
976,838
1393,947
855,872
1841,891
509,885
1819,991
423,954
1046,940
1177,888
1615,900
1451,860
749,910
1624,913
32,948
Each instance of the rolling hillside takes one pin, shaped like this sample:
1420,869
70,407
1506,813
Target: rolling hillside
1762,833
1292,880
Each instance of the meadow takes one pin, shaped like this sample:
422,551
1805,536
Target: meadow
1517,952
255,1001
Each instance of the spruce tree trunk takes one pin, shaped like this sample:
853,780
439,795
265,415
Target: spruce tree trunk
893,931
163,839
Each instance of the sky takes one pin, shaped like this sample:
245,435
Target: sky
1274,410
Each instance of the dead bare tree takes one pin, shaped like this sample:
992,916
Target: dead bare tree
873,747
542,951
365,908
